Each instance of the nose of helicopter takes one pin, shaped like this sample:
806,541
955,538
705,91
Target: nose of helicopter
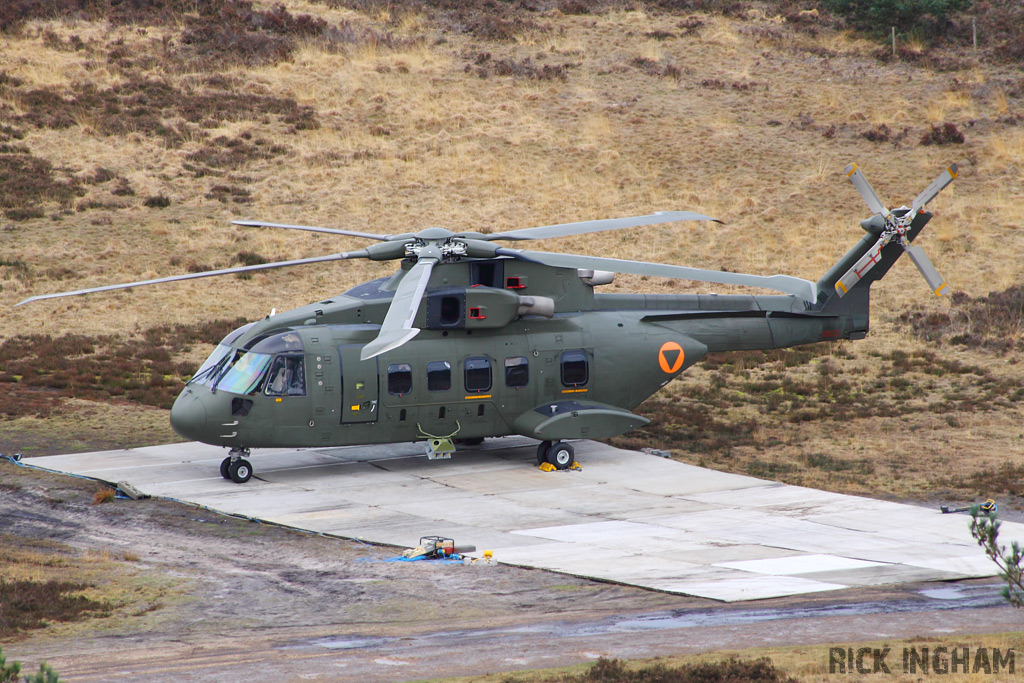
188,415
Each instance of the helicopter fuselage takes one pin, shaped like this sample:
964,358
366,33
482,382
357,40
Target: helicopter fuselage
505,347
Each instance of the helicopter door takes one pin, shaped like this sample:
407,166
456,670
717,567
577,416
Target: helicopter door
358,386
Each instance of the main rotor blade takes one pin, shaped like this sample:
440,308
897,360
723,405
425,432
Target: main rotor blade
924,264
209,273
936,186
311,228
566,229
397,327
861,267
803,289
865,189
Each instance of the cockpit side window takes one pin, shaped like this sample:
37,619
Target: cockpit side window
287,376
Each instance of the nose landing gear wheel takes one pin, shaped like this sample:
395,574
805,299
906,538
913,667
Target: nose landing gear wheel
240,471
561,455
224,465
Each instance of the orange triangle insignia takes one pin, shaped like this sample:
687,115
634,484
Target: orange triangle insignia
671,357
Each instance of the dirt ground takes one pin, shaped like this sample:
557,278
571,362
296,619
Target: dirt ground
194,594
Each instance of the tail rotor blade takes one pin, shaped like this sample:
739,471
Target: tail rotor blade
865,189
397,327
936,186
864,264
924,264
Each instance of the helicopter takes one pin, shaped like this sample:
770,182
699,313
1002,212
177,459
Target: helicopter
471,339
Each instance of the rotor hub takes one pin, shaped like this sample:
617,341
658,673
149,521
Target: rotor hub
444,249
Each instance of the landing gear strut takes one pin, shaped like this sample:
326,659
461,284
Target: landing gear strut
235,467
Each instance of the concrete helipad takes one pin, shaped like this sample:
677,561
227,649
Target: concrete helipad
626,517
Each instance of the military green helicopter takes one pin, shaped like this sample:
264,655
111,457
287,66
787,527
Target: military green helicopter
472,339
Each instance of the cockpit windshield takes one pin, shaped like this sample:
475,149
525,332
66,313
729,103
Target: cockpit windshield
244,373
212,366
208,370
241,371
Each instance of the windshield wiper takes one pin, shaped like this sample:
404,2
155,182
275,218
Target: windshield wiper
221,369
206,373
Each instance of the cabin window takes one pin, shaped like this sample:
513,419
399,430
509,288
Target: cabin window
399,379
478,373
575,371
287,376
439,375
517,372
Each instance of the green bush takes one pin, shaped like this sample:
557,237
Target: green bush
9,672
985,529
928,17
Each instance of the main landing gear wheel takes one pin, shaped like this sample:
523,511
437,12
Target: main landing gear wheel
240,471
224,465
542,452
561,455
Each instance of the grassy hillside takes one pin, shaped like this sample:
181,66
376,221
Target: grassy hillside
130,138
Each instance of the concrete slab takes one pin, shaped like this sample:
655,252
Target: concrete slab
750,587
880,574
798,564
626,517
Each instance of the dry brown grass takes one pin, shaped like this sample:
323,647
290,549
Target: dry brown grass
464,151
920,422
56,585
104,495
803,663
754,127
